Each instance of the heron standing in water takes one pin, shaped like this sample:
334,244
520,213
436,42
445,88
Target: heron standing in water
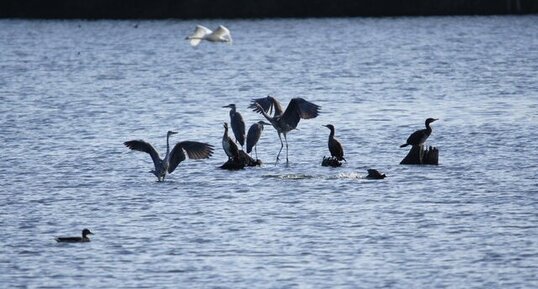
285,121
253,135
418,138
230,148
238,125
335,147
194,150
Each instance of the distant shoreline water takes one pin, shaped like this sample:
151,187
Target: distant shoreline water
198,9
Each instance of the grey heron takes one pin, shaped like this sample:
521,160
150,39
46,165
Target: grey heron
237,123
253,135
229,146
285,121
419,137
335,147
84,238
194,150
221,34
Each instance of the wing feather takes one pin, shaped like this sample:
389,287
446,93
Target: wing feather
199,33
195,150
299,108
142,146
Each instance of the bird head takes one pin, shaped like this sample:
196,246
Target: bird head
430,120
226,125
86,232
231,105
171,132
329,126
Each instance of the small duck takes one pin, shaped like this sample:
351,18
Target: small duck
84,238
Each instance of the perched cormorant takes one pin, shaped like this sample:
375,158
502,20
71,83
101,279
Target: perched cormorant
238,125
84,238
195,150
335,147
285,121
419,137
253,135
230,148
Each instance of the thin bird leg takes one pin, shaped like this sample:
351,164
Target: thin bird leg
281,146
256,151
287,161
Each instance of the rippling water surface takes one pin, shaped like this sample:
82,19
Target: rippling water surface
71,92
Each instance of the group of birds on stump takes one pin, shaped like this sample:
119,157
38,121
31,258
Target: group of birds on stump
283,121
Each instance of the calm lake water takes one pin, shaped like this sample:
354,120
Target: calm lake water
71,92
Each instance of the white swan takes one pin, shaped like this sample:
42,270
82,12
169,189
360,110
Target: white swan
221,34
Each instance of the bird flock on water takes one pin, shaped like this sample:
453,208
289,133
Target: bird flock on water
283,121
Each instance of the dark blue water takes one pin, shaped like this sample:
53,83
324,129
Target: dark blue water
71,92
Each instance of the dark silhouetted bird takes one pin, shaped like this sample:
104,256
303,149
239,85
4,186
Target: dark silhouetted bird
229,146
253,135
335,147
238,125
419,137
84,238
285,121
194,150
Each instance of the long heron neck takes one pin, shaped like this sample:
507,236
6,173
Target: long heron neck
225,133
167,144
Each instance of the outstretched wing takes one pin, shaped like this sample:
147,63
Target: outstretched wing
195,150
198,34
266,103
299,108
223,34
142,146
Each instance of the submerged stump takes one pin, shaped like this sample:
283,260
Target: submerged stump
330,162
418,156
239,163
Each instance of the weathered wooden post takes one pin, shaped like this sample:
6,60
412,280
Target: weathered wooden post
418,156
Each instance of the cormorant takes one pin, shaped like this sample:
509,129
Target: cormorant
335,147
419,137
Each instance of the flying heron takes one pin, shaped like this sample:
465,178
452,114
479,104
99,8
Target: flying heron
335,147
238,125
230,148
221,34
419,137
285,121
195,150
253,135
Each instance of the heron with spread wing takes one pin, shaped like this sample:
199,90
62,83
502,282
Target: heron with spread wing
287,120
194,150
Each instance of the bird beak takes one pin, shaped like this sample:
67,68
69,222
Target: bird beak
173,132
435,119
324,125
